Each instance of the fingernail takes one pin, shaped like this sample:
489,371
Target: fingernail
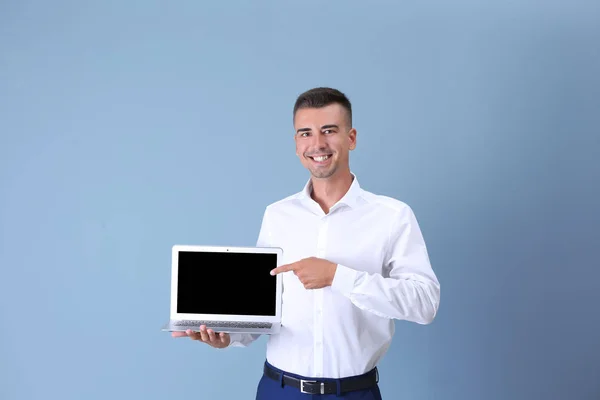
272,272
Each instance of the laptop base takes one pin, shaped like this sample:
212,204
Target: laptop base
223,326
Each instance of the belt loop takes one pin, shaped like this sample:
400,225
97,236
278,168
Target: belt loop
339,387
281,379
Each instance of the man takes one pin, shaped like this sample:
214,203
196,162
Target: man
354,262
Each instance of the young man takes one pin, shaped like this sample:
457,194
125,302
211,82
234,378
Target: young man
354,262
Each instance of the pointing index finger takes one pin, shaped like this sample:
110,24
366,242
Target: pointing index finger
282,268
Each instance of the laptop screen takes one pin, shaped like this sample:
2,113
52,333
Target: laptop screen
226,283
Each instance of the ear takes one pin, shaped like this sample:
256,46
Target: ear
296,145
352,138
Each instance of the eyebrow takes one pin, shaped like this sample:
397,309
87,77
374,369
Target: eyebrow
323,127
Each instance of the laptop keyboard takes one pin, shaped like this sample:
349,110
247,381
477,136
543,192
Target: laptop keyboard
225,324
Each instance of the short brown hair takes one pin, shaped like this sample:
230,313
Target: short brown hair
322,97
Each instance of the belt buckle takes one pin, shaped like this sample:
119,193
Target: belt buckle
302,382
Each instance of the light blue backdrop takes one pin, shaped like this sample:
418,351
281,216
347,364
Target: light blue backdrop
127,127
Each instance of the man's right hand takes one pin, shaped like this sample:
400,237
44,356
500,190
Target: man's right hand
208,336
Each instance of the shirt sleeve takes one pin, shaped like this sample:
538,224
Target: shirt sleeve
264,240
407,288
242,339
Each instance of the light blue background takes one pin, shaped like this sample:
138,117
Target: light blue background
127,127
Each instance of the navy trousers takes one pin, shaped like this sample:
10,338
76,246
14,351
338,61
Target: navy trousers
269,389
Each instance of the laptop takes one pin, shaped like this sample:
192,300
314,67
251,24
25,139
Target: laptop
228,289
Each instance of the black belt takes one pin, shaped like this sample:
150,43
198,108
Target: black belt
361,382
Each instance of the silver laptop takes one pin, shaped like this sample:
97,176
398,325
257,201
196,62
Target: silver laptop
228,289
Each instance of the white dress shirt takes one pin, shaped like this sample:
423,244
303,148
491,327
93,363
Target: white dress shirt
383,273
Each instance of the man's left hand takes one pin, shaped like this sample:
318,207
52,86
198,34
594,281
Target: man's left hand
314,273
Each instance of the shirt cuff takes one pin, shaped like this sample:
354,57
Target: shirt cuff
235,340
344,279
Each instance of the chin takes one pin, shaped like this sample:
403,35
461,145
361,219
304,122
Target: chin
322,174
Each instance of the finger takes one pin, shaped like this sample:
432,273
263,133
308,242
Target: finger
211,335
192,335
178,334
283,268
203,334
308,284
225,340
222,337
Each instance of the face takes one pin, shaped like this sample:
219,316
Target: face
324,140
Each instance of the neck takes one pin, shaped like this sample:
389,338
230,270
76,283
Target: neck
327,192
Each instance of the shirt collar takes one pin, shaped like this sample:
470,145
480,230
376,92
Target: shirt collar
351,198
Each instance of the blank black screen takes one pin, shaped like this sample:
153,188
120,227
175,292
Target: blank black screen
226,283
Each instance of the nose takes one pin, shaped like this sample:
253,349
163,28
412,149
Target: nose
319,140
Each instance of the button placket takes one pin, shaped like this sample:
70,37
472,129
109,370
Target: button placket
318,303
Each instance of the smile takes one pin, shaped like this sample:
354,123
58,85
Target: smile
321,158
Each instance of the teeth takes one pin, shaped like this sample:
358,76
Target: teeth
321,158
